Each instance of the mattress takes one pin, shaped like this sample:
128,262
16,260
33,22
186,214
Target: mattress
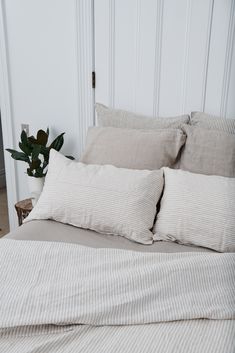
47,230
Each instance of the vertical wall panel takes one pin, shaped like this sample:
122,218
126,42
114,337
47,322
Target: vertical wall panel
173,55
197,49
50,54
126,40
104,37
230,106
84,60
217,65
165,57
145,55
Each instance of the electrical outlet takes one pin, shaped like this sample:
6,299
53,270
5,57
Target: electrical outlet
25,127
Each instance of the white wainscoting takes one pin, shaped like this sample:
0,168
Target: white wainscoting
166,57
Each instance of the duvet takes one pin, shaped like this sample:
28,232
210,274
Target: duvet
58,297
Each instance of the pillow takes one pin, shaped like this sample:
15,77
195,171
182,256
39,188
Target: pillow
208,152
133,149
197,209
106,199
123,119
212,122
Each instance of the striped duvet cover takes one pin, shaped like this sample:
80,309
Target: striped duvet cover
58,297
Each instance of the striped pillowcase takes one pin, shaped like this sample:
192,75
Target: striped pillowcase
106,199
197,209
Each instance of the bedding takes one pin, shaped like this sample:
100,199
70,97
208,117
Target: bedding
197,209
211,122
208,152
109,117
133,149
67,297
48,230
106,199
188,336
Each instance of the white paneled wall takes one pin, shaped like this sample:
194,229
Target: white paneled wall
166,57
46,60
158,57
2,167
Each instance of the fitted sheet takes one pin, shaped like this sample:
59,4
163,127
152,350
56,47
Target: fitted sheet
47,230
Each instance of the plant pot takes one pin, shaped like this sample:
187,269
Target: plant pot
35,188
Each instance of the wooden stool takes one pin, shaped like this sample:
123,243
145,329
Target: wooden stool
23,208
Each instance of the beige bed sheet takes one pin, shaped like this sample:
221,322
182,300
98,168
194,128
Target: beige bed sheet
47,230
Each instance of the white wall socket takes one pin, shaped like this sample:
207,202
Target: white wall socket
25,127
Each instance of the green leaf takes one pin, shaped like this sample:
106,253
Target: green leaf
10,150
35,164
29,172
70,157
25,148
35,152
39,173
32,140
24,137
42,137
45,151
58,142
19,156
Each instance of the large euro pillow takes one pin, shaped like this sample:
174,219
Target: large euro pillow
197,209
106,199
212,122
210,152
121,118
132,148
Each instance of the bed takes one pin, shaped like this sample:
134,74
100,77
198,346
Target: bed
48,230
68,286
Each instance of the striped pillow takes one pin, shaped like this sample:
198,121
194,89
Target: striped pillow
211,122
106,199
197,209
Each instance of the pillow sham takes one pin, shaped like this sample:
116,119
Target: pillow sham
209,152
106,199
212,122
124,119
133,149
197,209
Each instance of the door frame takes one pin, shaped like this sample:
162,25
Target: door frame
7,120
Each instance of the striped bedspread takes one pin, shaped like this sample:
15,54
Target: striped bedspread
57,297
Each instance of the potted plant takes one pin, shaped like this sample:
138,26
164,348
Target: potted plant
35,152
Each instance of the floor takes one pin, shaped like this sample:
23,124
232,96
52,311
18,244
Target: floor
4,225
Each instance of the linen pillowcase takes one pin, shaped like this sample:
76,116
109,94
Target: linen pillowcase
133,149
208,152
211,122
197,209
106,199
124,119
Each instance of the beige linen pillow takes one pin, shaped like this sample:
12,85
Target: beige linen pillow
211,122
197,209
124,119
210,152
133,149
106,199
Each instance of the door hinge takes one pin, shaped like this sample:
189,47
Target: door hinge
93,79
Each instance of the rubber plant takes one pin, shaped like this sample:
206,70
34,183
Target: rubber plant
35,152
